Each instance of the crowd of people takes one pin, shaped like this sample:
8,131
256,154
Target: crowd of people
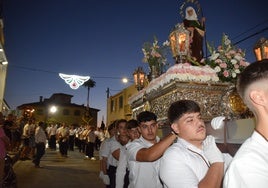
135,157
29,139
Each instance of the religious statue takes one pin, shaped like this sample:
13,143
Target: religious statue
197,33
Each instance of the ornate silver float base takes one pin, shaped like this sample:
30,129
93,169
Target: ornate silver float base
214,99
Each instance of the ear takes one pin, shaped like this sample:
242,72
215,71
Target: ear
257,97
175,128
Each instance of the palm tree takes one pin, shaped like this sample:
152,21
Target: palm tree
89,84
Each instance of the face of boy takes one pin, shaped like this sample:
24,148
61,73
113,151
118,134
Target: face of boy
122,128
133,133
148,130
191,127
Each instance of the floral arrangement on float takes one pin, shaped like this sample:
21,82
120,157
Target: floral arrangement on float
156,56
227,60
224,65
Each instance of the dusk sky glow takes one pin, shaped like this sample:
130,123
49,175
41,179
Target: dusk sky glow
103,39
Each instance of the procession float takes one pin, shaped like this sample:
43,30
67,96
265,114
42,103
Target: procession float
210,80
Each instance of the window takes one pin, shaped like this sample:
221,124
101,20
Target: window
39,112
120,102
77,112
66,112
115,104
112,105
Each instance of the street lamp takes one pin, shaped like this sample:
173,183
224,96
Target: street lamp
179,43
139,78
53,109
261,49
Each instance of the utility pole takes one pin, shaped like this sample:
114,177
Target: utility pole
108,92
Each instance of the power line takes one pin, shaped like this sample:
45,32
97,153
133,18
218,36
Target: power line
53,72
256,33
249,29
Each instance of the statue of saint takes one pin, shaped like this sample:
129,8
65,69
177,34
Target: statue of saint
197,32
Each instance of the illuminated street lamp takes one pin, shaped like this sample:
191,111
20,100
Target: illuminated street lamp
53,109
139,78
261,49
179,43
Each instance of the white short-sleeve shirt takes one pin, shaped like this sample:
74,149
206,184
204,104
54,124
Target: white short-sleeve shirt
121,168
110,146
183,165
249,167
142,174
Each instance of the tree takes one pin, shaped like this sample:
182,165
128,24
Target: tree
87,116
89,84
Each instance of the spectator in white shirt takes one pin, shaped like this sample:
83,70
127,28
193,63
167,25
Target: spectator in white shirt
40,140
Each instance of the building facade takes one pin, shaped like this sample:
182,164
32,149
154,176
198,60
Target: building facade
117,105
58,109
3,64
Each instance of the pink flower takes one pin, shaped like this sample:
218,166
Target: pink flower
223,65
226,73
236,66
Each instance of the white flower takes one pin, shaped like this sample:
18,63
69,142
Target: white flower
217,69
227,42
214,56
238,57
166,43
233,61
237,71
233,74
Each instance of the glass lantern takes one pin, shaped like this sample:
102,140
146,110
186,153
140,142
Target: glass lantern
179,43
261,49
139,78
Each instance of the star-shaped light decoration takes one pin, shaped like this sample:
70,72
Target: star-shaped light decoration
74,81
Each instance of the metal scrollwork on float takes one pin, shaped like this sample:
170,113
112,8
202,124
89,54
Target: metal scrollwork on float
214,99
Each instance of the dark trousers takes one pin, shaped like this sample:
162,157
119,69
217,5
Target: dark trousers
40,151
52,142
111,173
71,142
90,149
63,146
126,179
83,146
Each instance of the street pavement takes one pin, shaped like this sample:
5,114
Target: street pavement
59,172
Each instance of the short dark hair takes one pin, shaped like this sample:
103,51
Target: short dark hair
256,71
132,124
120,121
181,107
111,126
41,123
146,116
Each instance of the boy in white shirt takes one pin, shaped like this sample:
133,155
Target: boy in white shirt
194,160
122,172
143,153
